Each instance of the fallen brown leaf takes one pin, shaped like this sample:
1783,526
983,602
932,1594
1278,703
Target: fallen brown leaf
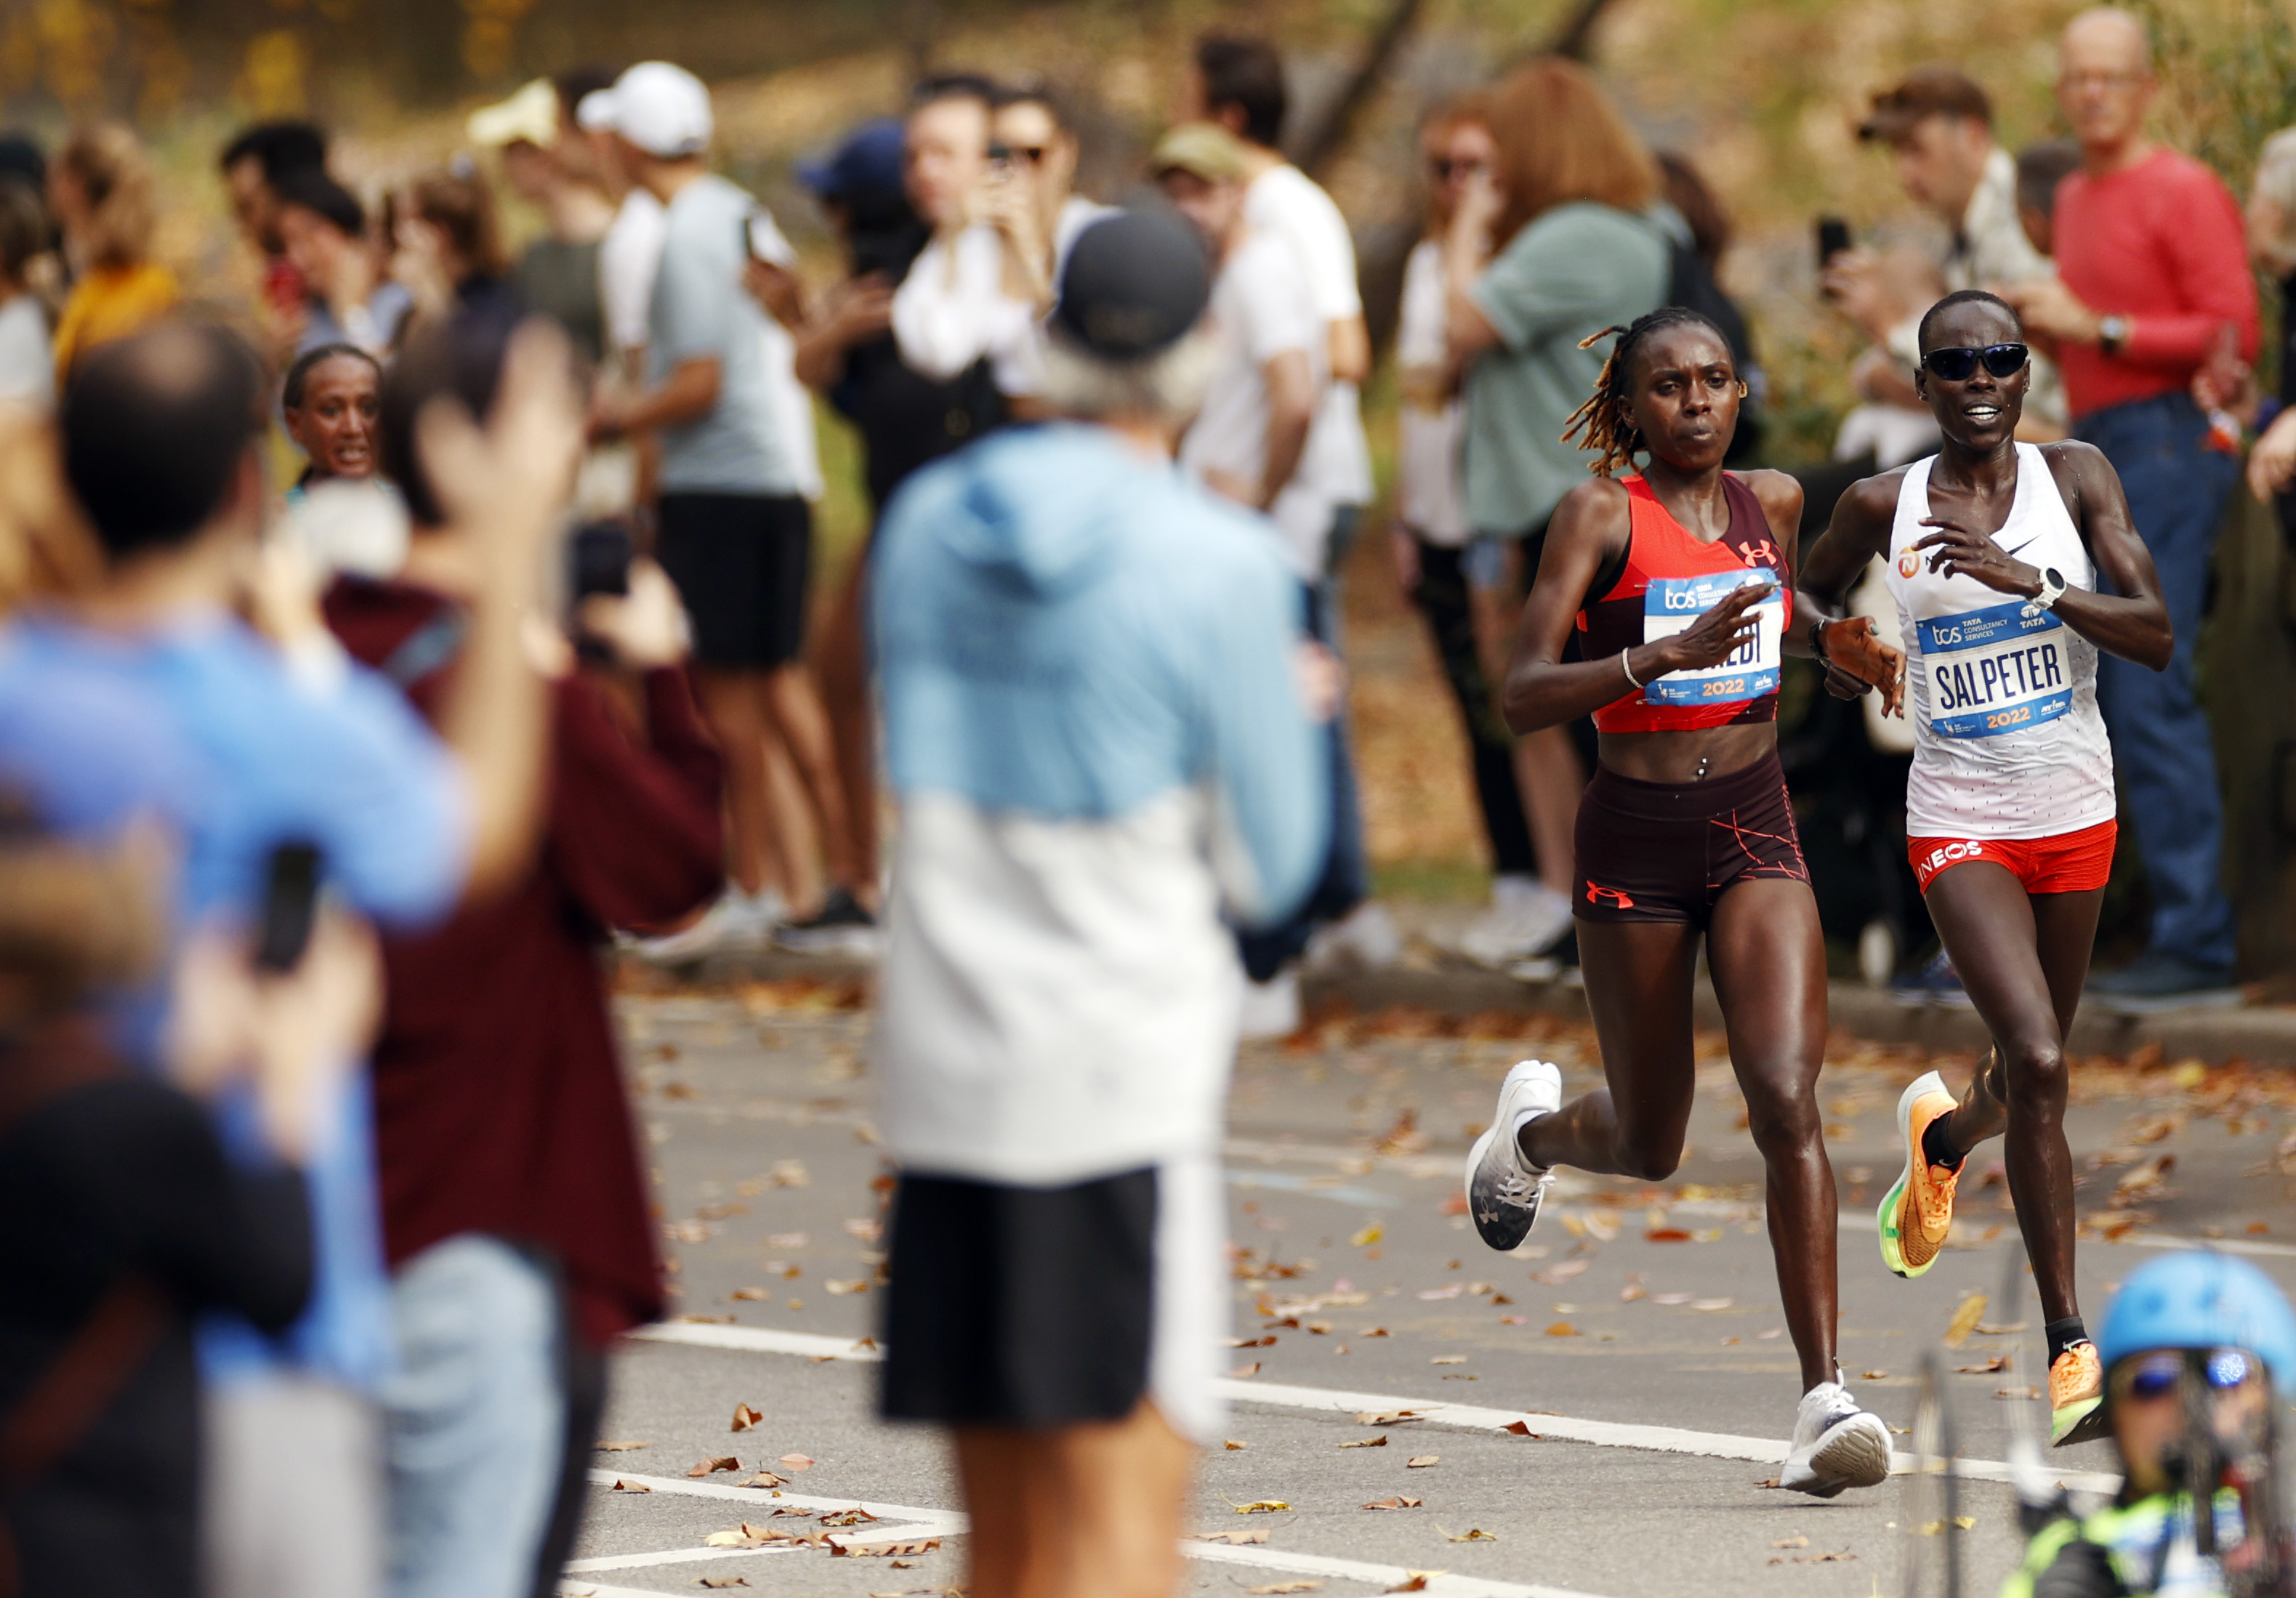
1233,1444
1253,1342
631,1486
1395,1503
1666,1234
765,1479
1986,1367
1234,1539
796,1462
749,1292
1367,1442
707,1467
1241,1372
745,1418
1288,1586
1472,1535
719,1212
1556,1275
723,1581
1448,1359
1562,1329
1261,1506
839,1289
1421,1461
1873,1375
1520,1428
1389,1417
1964,1319
1414,1581
884,1549
1792,1542
621,1445
1372,1332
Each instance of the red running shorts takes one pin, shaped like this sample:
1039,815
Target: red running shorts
2069,862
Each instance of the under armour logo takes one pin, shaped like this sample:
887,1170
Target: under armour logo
1596,895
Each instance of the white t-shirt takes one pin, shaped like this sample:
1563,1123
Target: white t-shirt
952,308
791,403
1260,309
28,366
1429,487
628,257
2007,739
1285,202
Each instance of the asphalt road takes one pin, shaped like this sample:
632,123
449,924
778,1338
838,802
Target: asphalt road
1636,1339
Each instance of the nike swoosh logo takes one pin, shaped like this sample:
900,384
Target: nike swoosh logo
2026,545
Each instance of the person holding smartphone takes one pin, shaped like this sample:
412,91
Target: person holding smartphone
1676,583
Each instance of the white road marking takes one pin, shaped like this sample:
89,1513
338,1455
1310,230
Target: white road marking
1607,1434
918,1524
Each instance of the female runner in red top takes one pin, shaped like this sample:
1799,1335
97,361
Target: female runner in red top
1678,582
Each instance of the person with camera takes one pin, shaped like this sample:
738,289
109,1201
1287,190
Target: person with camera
2199,1352
2016,568
160,437
514,1205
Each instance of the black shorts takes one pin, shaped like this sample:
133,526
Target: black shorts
741,562
1666,851
1020,1306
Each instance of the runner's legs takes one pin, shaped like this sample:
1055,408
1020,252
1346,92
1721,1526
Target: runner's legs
1768,960
1769,971
2023,961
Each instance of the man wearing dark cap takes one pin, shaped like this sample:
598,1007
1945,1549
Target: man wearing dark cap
1096,729
1939,126
160,437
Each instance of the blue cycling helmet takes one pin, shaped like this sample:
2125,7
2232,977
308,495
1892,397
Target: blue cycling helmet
2202,1299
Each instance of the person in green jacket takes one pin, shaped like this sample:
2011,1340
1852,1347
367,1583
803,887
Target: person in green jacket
2194,1348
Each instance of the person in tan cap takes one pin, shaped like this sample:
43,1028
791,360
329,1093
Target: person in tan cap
1938,124
551,165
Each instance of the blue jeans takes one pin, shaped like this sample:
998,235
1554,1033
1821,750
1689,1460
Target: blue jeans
477,1419
2178,489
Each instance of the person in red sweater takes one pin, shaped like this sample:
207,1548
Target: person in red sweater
2152,268
514,1207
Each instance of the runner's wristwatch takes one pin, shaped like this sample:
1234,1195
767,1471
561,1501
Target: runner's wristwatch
2052,589
2111,333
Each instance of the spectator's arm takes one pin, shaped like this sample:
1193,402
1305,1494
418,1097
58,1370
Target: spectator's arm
635,831
857,311
1266,761
945,313
688,394
1291,412
1350,350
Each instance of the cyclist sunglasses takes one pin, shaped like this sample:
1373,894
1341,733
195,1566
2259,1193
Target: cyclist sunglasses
1959,365
2156,1375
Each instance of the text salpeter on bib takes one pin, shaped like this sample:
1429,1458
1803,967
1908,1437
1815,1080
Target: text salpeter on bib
1994,671
1671,604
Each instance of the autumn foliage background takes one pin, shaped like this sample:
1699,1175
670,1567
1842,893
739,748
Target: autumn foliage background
1763,94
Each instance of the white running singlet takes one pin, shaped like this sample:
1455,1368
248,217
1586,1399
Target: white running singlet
2007,739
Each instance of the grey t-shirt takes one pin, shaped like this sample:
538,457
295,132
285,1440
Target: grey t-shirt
1569,272
700,308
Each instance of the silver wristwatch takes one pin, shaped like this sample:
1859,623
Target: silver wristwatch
2052,589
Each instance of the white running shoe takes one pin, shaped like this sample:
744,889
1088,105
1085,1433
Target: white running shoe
1836,1445
1271,1009
737,921
1526,918
1502,1190
1365,940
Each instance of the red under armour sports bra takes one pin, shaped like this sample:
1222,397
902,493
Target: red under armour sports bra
1668,580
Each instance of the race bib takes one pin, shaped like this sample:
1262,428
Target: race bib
1995,671
1671,604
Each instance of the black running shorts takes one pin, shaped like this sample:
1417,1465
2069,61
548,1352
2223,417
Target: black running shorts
741,562
1667,851
1020,1306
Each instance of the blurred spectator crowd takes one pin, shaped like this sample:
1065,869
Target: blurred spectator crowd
322,796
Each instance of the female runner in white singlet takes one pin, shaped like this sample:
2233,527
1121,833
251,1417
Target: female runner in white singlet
1993,550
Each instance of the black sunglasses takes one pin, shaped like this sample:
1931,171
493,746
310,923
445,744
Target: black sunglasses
1959,365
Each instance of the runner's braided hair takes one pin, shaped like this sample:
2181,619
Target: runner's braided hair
1601,424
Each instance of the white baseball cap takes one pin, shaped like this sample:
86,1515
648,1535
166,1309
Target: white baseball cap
663,110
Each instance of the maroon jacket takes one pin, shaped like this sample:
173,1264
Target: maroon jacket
499,1107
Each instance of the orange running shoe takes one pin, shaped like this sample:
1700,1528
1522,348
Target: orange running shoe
1917,1212
2076,1396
